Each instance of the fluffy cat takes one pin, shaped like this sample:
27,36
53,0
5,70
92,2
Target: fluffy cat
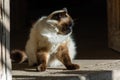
50,42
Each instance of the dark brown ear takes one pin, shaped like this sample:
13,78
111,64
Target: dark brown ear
65,9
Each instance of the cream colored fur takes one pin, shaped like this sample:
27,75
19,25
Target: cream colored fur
43,34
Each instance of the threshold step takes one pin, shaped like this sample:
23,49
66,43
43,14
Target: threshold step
89,70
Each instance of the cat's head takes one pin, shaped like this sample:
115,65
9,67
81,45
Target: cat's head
61,21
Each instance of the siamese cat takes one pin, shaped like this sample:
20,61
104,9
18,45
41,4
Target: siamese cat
50,42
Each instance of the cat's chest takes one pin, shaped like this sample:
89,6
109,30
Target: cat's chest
55,40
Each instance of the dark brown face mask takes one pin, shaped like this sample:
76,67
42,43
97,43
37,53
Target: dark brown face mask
64,21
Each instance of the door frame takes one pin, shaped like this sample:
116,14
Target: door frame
5,62
113,12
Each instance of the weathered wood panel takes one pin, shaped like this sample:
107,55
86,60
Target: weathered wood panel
0,38
114,24
5,62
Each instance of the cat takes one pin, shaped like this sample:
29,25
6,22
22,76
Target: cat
50,42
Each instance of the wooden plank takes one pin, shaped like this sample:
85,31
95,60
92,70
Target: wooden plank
116,31
7,38
0,9
0,38
114,24
0,52
5,41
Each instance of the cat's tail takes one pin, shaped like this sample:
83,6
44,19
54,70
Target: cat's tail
18,56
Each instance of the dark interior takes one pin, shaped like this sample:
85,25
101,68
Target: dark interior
90,29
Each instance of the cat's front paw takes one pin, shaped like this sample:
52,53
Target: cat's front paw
73,66
41,67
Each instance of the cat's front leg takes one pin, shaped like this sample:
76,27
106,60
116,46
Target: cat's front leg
42,59
63,55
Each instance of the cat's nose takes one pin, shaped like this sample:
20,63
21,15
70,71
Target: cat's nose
67,26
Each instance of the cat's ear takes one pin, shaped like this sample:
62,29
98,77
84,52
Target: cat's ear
65,9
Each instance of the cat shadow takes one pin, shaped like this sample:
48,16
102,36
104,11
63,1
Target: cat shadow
27,68
23,67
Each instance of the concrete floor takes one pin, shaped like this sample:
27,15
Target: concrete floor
90,70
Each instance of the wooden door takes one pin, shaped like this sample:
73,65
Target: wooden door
5,63
114,24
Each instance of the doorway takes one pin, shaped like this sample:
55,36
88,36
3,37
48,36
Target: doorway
90,29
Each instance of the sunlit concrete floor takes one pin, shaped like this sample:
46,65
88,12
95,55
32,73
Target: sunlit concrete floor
89,70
